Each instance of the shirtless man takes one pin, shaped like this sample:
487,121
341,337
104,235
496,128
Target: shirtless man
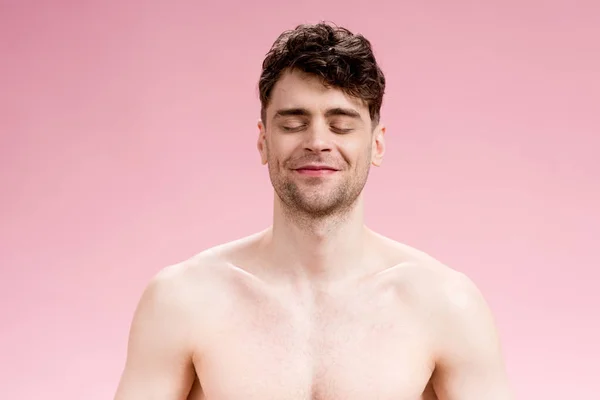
317,306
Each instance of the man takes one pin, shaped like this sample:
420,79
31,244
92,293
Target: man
318,306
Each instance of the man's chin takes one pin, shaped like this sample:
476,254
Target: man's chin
317,207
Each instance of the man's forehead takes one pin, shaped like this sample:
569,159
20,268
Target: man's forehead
301,90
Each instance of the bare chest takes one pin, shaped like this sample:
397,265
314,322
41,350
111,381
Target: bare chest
353,347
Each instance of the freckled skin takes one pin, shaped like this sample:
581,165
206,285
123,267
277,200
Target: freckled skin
317,306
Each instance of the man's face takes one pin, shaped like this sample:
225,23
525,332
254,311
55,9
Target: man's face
318,144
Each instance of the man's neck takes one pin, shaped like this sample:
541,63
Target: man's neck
319,249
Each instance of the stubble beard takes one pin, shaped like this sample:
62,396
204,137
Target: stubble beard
315,201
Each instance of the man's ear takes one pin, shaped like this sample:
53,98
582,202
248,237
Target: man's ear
261,143
378,145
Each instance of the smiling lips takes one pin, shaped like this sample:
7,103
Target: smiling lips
315,170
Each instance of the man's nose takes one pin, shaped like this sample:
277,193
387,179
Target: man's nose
318,138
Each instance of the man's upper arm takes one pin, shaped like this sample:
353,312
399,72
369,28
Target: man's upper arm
470,364
159,364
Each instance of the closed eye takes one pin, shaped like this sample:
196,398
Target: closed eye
300,127
294,128
342,130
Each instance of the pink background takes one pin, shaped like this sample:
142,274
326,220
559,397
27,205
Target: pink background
128,143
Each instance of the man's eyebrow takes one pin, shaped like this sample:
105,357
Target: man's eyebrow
348,112
285,112
302,112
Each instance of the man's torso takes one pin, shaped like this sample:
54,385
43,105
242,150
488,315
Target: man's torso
372,337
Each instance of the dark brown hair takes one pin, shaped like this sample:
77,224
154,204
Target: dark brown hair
339,57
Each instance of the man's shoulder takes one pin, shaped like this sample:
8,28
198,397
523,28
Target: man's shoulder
457,315
438,284
203,273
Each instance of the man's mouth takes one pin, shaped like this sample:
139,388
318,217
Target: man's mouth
315,170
